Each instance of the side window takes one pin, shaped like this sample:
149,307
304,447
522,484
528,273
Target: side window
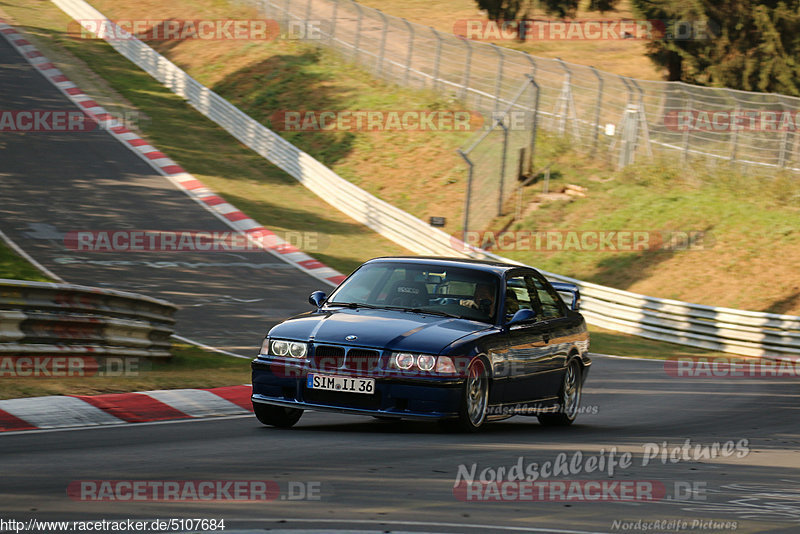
551,304
518,296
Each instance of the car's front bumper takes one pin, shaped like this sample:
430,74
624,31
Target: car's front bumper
394,396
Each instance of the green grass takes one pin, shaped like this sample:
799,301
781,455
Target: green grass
747,223
189,367
15,267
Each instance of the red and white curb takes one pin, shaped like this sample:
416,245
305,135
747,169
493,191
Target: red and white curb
120,408
197,190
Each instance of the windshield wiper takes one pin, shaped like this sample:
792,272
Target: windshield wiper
429,312
354,305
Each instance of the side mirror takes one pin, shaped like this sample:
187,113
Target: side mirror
522,316
572,289
317,298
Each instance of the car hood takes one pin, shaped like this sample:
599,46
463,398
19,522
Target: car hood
390,329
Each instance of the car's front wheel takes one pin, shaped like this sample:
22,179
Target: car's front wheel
475,398
278,416
570,398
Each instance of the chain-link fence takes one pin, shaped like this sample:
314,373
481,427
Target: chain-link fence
598,110
498,156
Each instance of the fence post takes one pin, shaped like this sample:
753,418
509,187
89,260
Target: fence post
598,104
410,50
688,109
357,39
502,167
286,14
630,135
535,126
382,51
308,16
532,62
499,81
437,58
784,137
468,198
735,131
465,81
565,105
333,21
643,119
624,148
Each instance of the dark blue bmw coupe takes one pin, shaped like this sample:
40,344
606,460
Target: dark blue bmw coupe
462,341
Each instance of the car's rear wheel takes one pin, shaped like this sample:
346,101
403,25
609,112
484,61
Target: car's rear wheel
278,416
569,400
475,398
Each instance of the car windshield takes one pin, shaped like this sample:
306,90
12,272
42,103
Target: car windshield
455,291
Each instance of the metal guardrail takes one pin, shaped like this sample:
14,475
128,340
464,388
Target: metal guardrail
716,328
723,329
66,319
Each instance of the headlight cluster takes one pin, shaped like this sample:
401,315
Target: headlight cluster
406,361
279,347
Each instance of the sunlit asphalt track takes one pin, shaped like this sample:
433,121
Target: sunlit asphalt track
373,476
375,472
54,183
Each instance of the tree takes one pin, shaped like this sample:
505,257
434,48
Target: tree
743,44
509,9
501,9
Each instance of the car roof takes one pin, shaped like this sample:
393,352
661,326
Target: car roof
495,267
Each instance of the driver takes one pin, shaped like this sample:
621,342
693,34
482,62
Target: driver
483,292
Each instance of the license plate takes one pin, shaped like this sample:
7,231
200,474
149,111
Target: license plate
341,383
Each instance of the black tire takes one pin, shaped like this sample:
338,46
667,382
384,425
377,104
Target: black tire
569,398
475,399
279,416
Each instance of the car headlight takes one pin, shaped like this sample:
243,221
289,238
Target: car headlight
404,360
279,348
426,362
294,349
298,350
422,362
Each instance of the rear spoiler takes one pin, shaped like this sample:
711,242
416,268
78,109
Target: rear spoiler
572,289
